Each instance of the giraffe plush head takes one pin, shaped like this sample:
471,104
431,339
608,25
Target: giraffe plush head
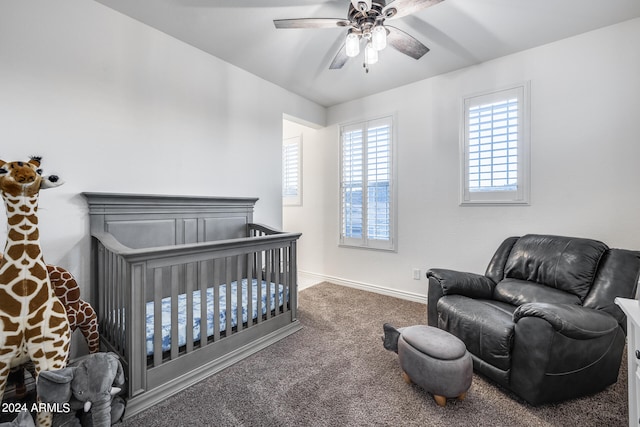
25,178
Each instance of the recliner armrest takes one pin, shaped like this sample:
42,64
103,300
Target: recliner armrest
573,321
459,283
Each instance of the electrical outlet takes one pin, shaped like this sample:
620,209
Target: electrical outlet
417,274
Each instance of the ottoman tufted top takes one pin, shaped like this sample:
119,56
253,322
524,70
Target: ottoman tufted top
434,342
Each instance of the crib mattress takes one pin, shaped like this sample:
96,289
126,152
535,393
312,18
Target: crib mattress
222,315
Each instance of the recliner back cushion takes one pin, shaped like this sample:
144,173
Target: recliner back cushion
618,276
565,263
517,292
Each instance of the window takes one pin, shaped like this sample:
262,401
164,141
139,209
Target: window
367,185
292,171
495,143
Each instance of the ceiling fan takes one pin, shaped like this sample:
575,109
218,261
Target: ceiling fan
366,22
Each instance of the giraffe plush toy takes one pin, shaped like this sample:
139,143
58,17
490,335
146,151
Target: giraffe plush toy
80,314
33,322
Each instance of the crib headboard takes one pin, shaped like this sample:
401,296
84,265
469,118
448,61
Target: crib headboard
145,220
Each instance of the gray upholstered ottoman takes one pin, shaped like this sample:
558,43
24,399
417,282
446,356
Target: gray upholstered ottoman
435,360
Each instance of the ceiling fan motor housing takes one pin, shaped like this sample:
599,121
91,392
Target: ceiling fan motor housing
361,5
361,20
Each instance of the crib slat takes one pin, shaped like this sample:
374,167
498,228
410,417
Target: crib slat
240,302
228,305
285,279
189,285
250,275
205,281
217,274
175,283
157,316
259,273
276,281
286,296
268,271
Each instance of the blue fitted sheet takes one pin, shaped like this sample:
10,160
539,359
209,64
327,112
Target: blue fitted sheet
182,310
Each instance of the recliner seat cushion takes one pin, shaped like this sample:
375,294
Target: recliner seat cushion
517,292
565,263
486,327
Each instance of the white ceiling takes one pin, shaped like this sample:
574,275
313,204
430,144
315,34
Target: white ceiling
459,33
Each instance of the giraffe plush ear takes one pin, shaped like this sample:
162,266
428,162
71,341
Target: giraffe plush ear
51,181
35,160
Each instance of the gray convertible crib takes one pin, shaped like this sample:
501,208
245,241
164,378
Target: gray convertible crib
186,286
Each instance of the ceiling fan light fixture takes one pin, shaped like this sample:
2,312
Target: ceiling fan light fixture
379,37
352,45
370,54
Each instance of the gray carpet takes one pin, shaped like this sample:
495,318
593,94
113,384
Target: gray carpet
335,372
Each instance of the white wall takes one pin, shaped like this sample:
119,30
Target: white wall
312,217
115,106
585,154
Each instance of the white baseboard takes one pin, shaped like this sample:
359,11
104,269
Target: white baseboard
307,279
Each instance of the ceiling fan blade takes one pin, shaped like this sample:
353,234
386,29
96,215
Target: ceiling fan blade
340,59
400,8
311,23
405,43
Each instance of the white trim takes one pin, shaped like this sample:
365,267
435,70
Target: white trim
307,279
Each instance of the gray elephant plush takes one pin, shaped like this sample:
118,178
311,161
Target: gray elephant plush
23,419
91,382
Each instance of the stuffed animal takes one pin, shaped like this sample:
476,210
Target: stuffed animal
33,322
23,419
80,314
91,382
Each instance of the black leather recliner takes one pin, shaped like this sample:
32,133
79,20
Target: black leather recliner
542,321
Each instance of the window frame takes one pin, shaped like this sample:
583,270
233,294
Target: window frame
521,195
292,200
365,242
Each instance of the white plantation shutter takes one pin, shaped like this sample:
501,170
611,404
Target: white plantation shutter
367,184
291,171
493,146
378,180
495,142
352,183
